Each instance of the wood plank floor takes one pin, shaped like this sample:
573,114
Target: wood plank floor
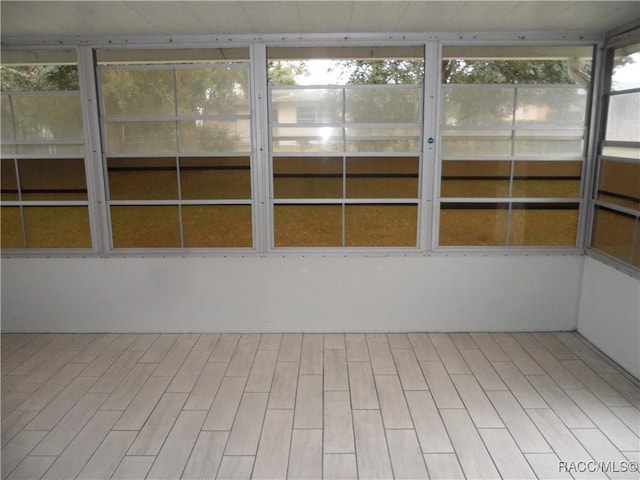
312,406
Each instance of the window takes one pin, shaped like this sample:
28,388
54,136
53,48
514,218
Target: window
44,187
513,128
176,129
346,146
616,224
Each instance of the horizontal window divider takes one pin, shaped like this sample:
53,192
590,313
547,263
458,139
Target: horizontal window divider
289,154
624,92
516,128
413,86
512,200
504,251
173,118
533,86
47,156
507,177
44,93
175,154
620,159
619,195
507,158
347,125
344,251
171,203
619,143
53,143
345,201
45,203
617,208
241,64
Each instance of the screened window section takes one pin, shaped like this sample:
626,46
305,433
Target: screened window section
616,225
176,132
514,123
44,186
346,147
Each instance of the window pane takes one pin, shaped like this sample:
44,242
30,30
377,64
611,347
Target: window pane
623,152
626,68
213,91
307,177
547,179
51,150
623,120
551,106
47,117
8,180
142,178
57,227
145,227
308,225
140,137
215,136
476,143
134,93
52,179
549,143
382,105
544,225
11,228
613,233
477,106
383,139
473,224
620,183
215,178
309,105
6,121
300,139
381,225
475,179
382,177
217,226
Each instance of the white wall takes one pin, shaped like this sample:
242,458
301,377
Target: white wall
609,315
290,294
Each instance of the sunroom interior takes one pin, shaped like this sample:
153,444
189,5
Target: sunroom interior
434,177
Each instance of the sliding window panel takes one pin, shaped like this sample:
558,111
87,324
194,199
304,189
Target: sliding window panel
383,104
381,225
145,226
307,139
382,177
549,143
613,233
137,92
306,105
307,177
142,178
140,137
387,139
542,179
57,227
8,180
547,107
308,225
215,178
198,136
477,106
472,143
47,117
473,224
620,182
11,228
217,226
623,120
475,179
52,179
550,225
213,91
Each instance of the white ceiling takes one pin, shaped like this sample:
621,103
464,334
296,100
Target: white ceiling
140,18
